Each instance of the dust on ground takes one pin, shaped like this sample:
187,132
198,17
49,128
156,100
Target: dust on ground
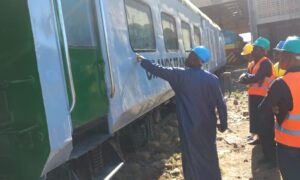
161,158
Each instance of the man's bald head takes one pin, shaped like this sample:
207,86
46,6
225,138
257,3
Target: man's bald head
193,61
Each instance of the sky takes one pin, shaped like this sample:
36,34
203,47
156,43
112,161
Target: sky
246,36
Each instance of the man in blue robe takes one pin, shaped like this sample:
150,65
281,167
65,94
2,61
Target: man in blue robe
197,94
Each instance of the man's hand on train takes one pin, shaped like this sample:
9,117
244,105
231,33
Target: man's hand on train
139,57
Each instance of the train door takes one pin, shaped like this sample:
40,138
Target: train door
82,51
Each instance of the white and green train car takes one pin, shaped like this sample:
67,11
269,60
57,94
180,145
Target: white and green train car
69,81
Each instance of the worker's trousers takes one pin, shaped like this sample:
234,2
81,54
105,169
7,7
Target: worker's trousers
266,135
268,147
254,114
289,162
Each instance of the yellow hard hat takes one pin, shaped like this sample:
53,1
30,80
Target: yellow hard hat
248,48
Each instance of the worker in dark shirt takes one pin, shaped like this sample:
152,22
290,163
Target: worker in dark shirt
260,75
284,100
197,94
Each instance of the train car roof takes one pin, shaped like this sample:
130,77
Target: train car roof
189,4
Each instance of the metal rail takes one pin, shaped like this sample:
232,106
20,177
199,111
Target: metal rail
113,88
66,49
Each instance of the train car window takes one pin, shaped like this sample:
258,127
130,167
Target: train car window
186,35
169,32
79,23
140,26
197,36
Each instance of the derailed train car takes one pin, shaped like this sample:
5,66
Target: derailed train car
69,81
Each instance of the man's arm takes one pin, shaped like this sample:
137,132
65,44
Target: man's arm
278,96
265,70
167,73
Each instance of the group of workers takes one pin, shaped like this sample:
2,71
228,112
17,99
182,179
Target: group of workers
274,106
274,102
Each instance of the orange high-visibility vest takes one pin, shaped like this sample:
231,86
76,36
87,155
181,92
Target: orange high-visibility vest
288,133
261,89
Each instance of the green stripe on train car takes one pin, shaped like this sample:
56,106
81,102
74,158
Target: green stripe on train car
23,130
88,73
91,98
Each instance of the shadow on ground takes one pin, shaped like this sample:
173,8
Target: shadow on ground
262,171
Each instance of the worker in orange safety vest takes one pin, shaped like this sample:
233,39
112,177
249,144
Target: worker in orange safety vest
284,99
259,78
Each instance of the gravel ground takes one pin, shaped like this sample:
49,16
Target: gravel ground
161,158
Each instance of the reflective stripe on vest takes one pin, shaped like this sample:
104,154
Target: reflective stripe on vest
258,86
260,89
295,117
270,80
288,133
267,79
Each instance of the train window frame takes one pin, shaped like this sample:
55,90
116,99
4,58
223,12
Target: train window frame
200,38
152,27
90,40
176,32
190,34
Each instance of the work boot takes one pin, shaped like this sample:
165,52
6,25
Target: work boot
253,141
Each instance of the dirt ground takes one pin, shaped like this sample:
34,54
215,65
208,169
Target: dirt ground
161,158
